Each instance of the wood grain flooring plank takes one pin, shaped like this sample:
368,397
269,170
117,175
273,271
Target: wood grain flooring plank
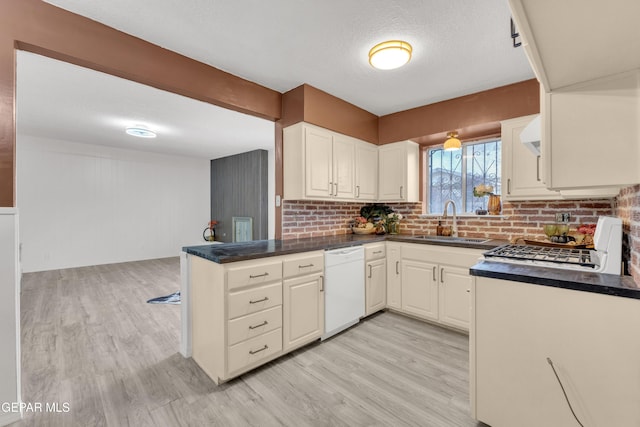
90,339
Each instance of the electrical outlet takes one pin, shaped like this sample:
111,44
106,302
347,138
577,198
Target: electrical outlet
563,217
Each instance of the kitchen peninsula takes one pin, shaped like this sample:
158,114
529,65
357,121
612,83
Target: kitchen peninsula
252,302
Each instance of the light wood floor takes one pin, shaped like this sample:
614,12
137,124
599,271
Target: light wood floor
90,339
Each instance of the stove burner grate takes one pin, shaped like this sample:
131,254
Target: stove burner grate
581,257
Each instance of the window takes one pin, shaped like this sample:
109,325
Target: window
453,174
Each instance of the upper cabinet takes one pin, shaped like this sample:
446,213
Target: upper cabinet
398,172
323,165
585,56
591,133
366,171
523,171
318,164
521,174
576,41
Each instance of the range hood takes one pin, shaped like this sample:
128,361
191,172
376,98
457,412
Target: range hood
530,135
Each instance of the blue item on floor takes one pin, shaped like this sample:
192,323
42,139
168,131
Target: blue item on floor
169,299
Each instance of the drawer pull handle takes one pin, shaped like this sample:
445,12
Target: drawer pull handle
265,323
305,266
377,252
258,300
259,350
370,270
251,276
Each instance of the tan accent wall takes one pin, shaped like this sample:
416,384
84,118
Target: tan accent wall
473,116
311,105
41,28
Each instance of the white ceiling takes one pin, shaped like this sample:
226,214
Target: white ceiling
460,47
60,101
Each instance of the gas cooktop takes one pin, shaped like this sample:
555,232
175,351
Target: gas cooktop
542,255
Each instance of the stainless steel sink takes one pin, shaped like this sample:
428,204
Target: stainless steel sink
453,239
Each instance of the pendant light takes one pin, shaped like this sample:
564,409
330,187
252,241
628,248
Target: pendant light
452,143
390,54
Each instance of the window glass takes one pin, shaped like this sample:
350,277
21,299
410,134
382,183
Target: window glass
453,174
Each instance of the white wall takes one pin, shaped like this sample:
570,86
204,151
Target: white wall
83,204
9,316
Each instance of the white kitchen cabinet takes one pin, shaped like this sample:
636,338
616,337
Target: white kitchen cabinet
573,42
366,172
375,277
318,164
394,284
303,299
521,169
419,288
591,134
454,290
590,105
435,283
236,318
398,172
590,339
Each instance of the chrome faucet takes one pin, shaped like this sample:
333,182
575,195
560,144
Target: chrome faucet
454,228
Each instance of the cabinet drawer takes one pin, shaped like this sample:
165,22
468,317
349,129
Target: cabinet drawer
255,324
255,299
372,252
253,350
254,274
303,264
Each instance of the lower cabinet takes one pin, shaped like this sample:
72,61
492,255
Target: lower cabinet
375,277
247,313
303,310
375,286
419,288
454,291
431,282
520,329
394,284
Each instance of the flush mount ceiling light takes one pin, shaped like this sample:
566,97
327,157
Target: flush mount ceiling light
452,143
390,54
140,131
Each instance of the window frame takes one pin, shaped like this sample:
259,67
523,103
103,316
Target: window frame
464,161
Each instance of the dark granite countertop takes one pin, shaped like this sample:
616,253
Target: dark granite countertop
609,284
231,252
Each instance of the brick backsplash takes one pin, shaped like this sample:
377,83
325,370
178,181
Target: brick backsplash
628,209
312,219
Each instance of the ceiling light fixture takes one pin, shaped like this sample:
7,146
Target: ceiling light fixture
452,143
140,131
390,54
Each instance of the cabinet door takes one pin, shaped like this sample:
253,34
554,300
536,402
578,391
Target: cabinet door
303,311
591,133
391,161
454,295
521,173
318,159
394,288
344,165
366,172
420,288
376,286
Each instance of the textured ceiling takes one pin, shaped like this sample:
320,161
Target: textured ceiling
460,46
57,100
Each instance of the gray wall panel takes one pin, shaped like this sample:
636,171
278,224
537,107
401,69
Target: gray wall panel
239,188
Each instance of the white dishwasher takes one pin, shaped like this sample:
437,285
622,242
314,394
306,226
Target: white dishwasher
343,289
